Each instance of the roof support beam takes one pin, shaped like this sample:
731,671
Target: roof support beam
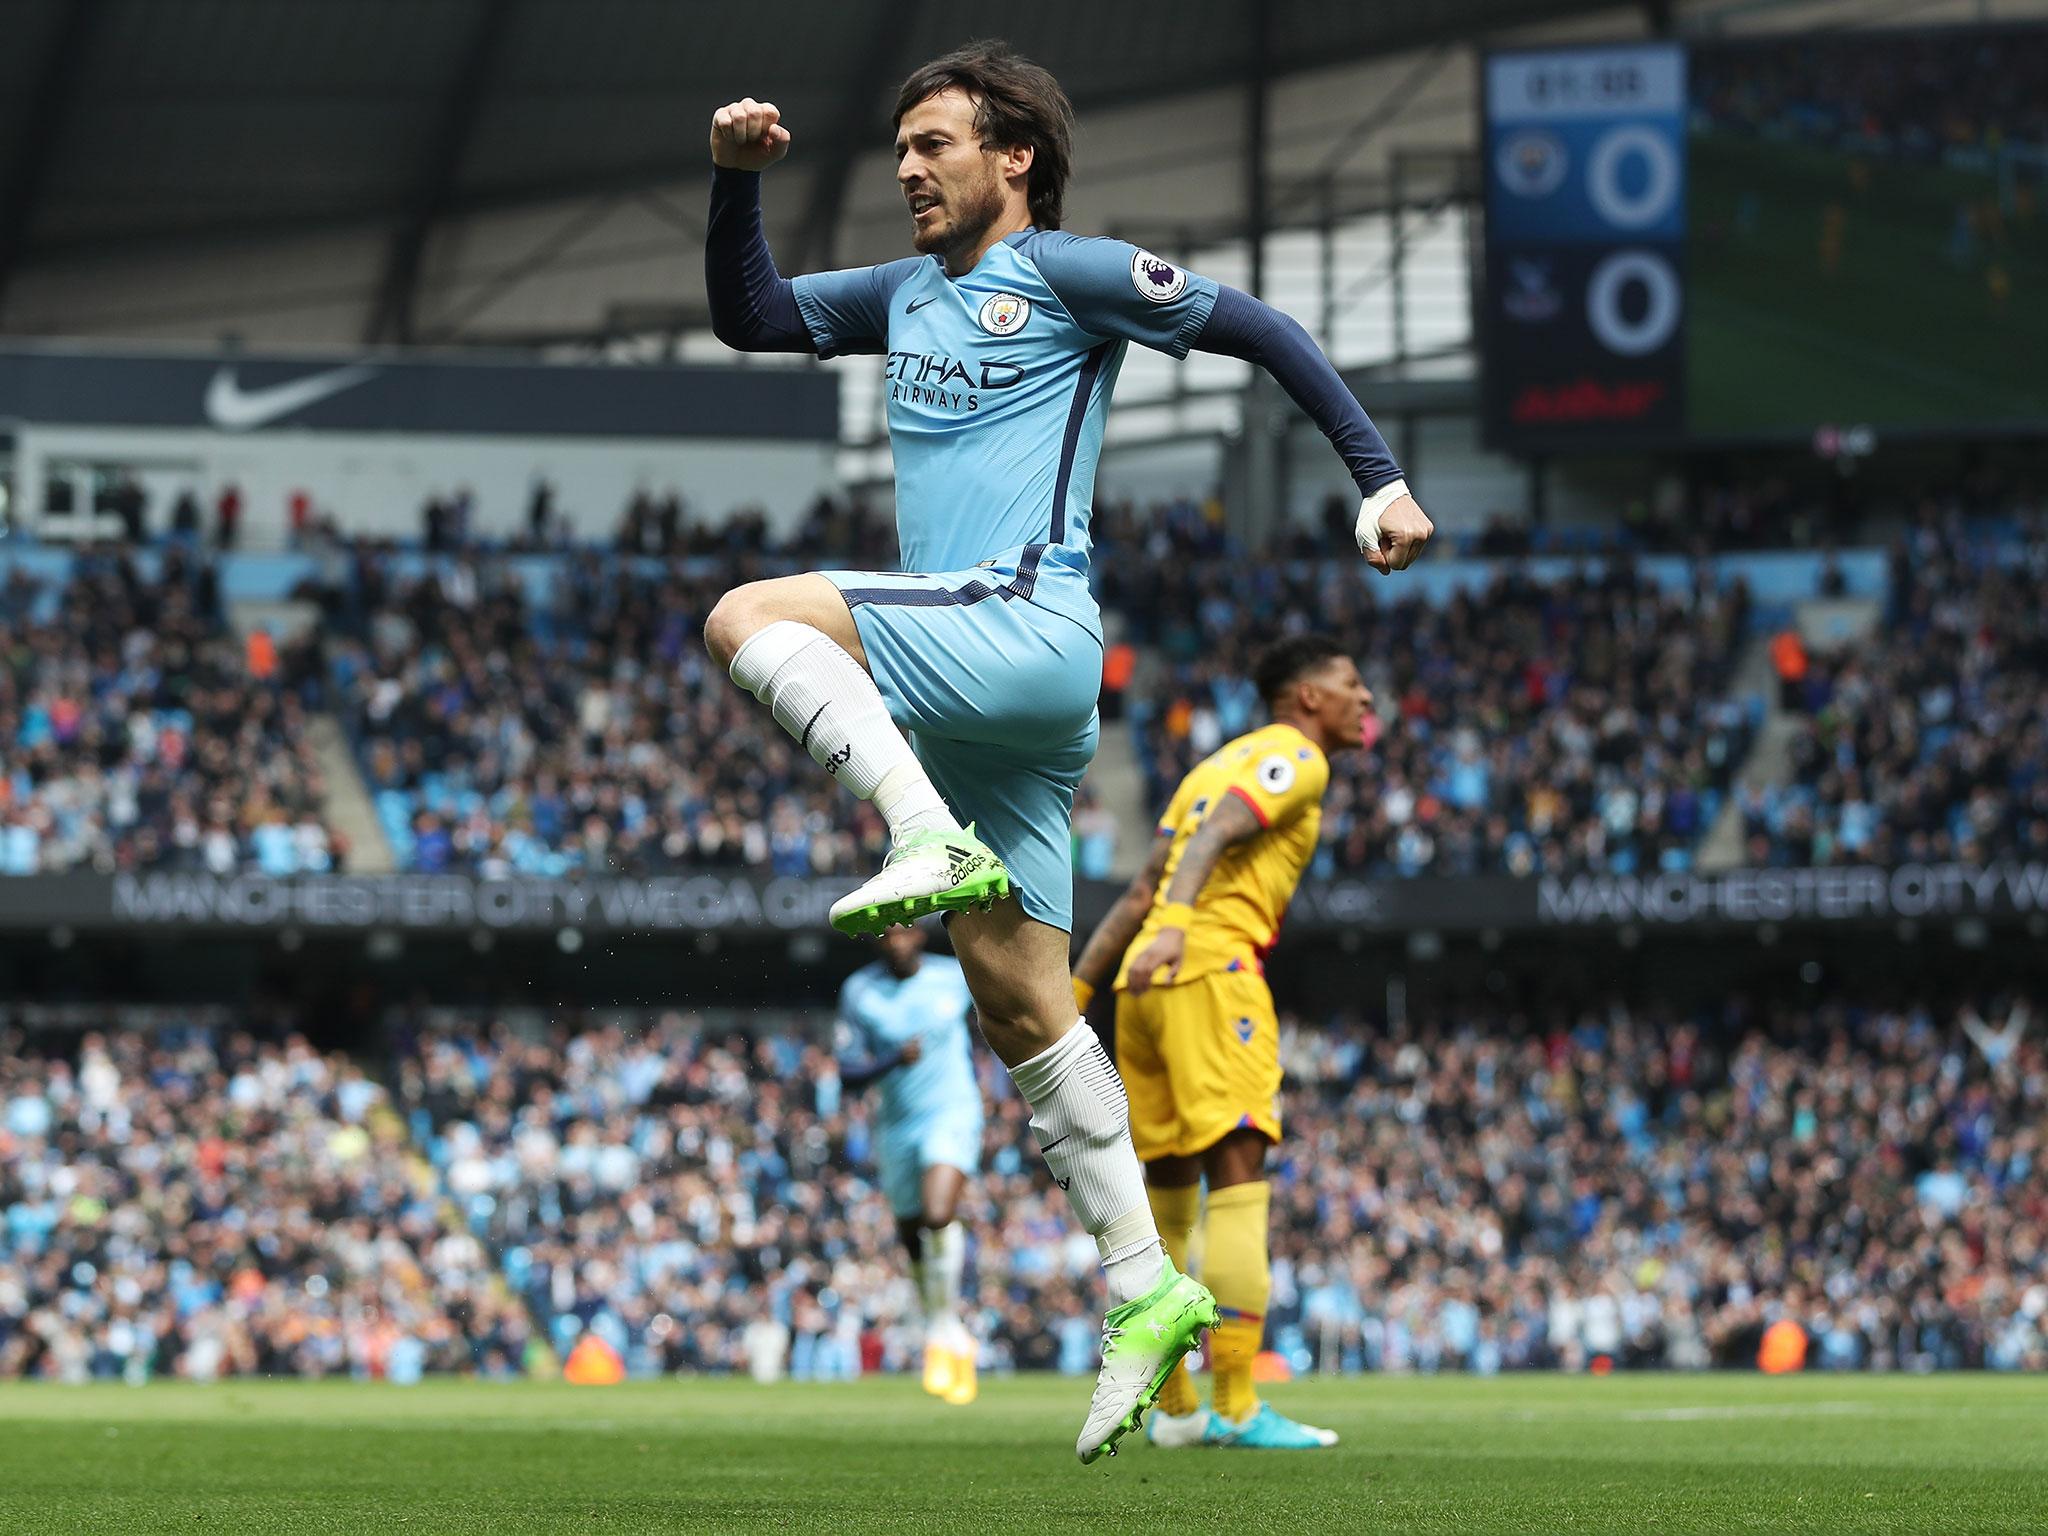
41,126
392,315
817,244
1258,201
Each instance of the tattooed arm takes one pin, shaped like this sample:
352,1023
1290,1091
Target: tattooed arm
1231,820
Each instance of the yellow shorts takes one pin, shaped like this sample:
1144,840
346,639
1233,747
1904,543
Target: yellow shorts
1199,1060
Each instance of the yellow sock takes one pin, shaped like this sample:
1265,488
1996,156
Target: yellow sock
1235,1267
1175,1211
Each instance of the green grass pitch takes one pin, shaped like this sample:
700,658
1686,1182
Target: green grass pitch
1541,1454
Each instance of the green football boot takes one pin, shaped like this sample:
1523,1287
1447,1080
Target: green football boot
1142,1341
925,873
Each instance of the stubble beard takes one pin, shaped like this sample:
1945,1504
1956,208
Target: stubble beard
971,213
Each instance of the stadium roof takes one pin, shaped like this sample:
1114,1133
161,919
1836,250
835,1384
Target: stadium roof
140,121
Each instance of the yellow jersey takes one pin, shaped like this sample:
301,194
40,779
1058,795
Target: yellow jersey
1281,775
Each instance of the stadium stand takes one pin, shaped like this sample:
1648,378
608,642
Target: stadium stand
543,714
1932,742
583,729
1487,1193
1536,727
195,1203
140,733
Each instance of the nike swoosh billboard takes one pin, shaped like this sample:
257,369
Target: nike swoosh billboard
58,385
234,409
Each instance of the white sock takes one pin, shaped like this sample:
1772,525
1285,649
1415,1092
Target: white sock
945,1256
827,701
1083,1124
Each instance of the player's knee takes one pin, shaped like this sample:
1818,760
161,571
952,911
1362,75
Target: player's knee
1016,1033
733,621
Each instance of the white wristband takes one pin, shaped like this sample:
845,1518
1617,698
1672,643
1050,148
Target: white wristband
1369,513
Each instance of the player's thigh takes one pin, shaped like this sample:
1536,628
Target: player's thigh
1016,969
809,599
988,669
1020,802
1220,1039
1155,1123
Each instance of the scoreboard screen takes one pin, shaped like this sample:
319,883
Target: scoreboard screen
1782,238
1585,254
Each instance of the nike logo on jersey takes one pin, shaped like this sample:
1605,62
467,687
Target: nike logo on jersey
916,304
234,409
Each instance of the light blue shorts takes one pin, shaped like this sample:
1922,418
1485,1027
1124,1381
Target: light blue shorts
998,694
950,1140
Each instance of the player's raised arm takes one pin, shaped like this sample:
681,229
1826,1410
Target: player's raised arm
747,135
753,306
1116,289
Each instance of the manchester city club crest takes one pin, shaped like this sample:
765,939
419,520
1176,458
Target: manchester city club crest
1532,163
1005,314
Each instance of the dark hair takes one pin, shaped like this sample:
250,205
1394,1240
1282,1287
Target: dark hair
1280,665
1016,103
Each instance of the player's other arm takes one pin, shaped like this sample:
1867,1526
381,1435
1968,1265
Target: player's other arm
1231,820
1104,951
1392,527
1114,289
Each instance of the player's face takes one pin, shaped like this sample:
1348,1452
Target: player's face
901,948
954,187
1341,704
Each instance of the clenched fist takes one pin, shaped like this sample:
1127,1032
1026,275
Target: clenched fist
747,135
1392,529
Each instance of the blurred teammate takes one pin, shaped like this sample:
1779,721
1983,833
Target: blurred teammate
963,689
1198,1042
904,1025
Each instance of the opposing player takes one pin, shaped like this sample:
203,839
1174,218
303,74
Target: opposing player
1198,1042
1003,337
903,1023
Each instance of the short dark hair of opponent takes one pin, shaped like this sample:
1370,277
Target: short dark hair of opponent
1016,104
1283,663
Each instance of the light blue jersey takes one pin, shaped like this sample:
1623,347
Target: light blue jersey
881,1013
999,384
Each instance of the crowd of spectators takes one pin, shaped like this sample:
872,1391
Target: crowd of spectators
1527,727
550,716
1485,1192
138,733
581,729
1928,739
697,1200
194,1203
1492,1194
